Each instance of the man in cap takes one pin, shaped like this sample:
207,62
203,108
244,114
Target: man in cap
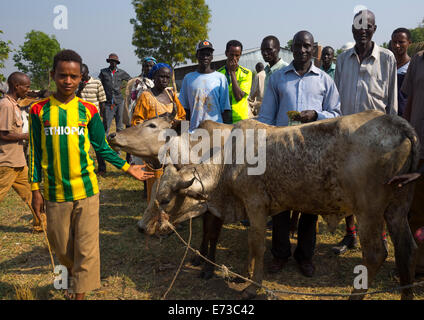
112,78
204,93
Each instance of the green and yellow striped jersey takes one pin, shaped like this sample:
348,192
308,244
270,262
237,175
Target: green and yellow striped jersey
60,137
244,79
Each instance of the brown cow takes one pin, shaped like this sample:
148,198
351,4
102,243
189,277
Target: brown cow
333,167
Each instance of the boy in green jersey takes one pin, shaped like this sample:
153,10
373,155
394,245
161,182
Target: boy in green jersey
62,127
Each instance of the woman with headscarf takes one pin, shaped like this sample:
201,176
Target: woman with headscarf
156,101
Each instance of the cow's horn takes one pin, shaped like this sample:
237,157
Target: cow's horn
183,184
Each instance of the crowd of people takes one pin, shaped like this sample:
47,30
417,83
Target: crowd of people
80,113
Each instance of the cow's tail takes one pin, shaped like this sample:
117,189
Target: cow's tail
410,133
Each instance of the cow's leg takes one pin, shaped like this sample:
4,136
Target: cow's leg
213,230
197,260
370,225
256,241
404,244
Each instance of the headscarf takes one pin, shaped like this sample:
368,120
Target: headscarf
156,67
147,59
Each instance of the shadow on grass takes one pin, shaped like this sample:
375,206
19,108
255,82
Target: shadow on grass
31,262
19,229
151,263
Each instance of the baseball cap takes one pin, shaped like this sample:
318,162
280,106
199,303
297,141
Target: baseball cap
204,44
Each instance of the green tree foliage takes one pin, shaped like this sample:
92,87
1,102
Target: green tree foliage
4,54
289,44
35,57
169,29
417,34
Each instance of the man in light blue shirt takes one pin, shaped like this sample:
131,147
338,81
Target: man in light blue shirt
204,93
298,87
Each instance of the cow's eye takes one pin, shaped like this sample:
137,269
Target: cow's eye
152,125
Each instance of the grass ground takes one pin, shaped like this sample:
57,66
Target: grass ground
134,266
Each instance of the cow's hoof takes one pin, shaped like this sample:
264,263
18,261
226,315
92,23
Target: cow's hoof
196,261
206,274
249,293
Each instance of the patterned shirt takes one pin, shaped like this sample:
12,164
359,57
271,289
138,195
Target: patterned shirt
93,92
60,137
205,95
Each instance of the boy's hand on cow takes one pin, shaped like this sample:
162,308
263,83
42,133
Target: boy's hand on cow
308,116
404,179
137,172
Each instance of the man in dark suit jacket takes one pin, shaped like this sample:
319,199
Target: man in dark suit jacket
112,78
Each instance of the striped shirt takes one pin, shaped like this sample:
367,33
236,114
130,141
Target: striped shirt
93,92
60,137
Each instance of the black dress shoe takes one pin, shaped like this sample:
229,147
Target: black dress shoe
349,242
277,265
307,268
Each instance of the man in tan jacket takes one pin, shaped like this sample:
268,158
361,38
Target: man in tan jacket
13,166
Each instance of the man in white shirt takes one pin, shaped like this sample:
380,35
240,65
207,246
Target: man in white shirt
366,77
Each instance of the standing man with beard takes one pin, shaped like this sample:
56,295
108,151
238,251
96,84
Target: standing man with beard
204,93
366,77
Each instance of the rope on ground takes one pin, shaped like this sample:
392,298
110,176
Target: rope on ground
227,274
45,235
181,264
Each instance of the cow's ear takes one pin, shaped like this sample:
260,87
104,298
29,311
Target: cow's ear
181,184
176,125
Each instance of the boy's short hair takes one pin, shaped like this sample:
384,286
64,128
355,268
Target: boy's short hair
66,55
403,30
233,43
274,39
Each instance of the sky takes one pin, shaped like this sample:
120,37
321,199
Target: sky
99,27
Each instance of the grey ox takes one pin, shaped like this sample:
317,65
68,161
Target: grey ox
333,168
144,140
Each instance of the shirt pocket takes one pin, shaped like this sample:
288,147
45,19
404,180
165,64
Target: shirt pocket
18,120
377,88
